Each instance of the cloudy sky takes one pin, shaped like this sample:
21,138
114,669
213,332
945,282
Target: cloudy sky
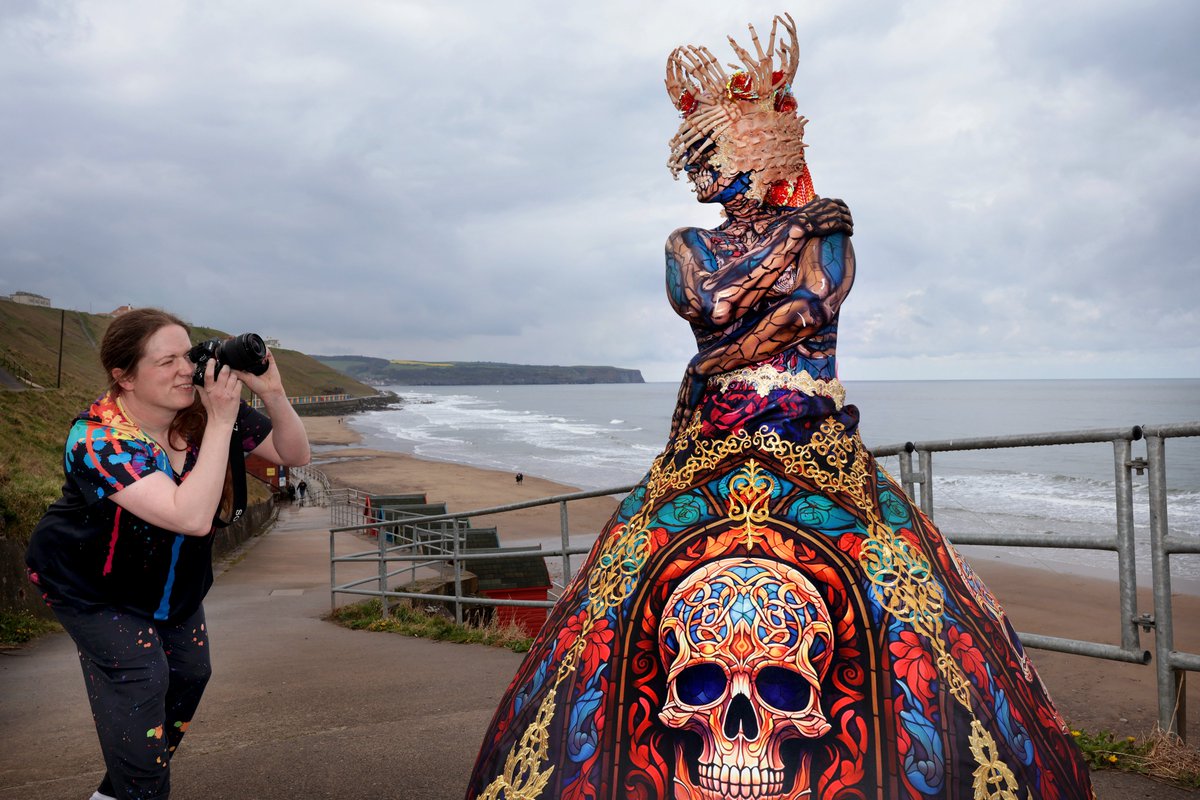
480,180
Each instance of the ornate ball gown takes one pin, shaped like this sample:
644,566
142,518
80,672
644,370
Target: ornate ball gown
769,616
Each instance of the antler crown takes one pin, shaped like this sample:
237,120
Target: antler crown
748,114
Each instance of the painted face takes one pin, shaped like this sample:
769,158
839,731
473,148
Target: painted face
708,182
163,376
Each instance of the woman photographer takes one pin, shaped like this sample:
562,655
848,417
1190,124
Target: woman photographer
124,557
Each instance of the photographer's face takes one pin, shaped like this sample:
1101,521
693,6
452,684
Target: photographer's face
163,376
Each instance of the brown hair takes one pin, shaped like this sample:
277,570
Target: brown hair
121,349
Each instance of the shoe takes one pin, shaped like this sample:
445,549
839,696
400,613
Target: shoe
98,796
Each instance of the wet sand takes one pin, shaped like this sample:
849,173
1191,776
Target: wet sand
1091,693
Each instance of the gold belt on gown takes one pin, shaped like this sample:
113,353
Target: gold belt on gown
764,378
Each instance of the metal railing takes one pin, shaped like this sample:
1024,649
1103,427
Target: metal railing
1171,666
427,542
435,542
306,399
320,490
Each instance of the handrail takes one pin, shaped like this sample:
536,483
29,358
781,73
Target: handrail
1169,663
484,512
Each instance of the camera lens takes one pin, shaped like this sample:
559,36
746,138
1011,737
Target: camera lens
245,353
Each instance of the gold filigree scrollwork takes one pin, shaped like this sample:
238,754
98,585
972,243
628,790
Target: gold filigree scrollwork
835,462
951,672
750,492
993,779
901,579
522,777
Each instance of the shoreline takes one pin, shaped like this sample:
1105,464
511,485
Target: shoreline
463,488
1037,597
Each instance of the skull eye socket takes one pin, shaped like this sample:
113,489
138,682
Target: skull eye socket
783,689
701,684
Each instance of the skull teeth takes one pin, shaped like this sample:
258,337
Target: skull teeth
733,781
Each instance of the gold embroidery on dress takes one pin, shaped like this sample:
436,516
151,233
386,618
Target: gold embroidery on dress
750,491
993,779
763,378
521,778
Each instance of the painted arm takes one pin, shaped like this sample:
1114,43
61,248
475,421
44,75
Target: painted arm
711,294
824,276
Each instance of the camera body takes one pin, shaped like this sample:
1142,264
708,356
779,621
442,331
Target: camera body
246,353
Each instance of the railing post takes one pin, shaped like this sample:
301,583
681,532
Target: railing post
458,617
906,472
383,570
926,459
566,543
1126,552
332,571
1171,700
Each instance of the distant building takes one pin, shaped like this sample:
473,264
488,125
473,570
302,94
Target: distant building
29,299
271,342
119,310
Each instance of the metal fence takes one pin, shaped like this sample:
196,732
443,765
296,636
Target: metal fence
1171,666
435,544
306,399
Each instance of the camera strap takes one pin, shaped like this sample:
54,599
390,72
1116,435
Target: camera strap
237,465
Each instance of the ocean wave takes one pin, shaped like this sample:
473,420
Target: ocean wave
513,429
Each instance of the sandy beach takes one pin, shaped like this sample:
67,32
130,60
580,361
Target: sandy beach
460,487
1091,693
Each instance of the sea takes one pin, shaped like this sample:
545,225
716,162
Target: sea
601,436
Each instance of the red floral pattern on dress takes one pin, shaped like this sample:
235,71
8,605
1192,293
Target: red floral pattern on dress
914,665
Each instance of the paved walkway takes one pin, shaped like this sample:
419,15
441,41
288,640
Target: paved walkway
298,707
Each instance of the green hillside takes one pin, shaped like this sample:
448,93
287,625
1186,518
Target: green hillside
34,421
29,347
381,371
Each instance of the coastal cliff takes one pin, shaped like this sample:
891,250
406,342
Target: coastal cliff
381,371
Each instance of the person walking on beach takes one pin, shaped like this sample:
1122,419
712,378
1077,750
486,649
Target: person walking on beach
302,489
124,557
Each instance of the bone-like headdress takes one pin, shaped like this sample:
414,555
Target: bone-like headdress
748,116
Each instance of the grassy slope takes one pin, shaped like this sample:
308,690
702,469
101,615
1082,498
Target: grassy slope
34,423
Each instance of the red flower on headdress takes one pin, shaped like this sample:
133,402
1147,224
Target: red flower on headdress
686,103
779,192
741,86
785,103
791,193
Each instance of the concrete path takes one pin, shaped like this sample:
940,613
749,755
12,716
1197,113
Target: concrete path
298,707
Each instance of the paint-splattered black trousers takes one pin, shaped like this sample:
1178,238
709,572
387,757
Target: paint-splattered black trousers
144,680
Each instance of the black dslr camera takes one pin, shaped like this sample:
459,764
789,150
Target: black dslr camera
247,353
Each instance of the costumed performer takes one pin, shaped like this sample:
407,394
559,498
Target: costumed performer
768,615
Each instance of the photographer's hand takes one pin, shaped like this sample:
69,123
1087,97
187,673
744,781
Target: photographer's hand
287,443
221,395
269,383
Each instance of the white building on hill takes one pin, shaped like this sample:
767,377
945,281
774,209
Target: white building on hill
29,299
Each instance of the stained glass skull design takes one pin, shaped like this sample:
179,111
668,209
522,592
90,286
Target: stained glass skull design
746,643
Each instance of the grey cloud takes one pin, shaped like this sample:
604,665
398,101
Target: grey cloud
477,180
